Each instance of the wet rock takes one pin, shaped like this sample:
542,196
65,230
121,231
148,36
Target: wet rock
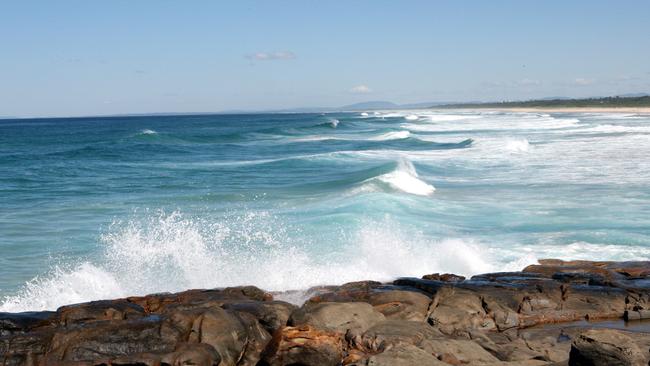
464,351
25,348
305,345
198,354
337,316
456,310
272,315
107,340
529,318
606,347
12,323
402,355
394,302
98,311
445,277
158,303
401,304
392,332
238,338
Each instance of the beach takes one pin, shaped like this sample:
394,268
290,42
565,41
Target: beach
638,110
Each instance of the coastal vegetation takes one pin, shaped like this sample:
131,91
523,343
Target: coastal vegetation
606,102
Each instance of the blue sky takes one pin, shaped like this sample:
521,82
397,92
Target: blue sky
135,56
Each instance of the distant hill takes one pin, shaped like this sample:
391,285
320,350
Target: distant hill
616,101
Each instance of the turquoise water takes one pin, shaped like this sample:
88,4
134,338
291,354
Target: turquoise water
104,207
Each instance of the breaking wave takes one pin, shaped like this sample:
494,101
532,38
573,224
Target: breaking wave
404,178
171,252
394,135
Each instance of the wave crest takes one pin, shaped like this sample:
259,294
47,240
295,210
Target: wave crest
403,178
393,135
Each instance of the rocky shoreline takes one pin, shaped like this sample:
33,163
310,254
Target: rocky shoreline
553,313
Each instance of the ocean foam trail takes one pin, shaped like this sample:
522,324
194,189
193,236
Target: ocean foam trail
411,117
394,135
405,178
486,123
608,128
448,117
148,132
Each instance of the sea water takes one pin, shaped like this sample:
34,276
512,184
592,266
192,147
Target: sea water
94,208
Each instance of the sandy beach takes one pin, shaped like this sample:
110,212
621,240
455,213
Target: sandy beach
637,110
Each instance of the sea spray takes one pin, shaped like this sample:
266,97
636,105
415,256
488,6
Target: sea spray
172,252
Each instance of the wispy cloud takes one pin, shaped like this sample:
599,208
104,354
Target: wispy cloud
583,81
361,89
271,56
528,82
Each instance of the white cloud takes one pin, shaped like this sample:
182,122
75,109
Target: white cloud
512,84
270,56
583,81
528,82
361,89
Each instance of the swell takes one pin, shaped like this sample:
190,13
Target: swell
393,177
327,144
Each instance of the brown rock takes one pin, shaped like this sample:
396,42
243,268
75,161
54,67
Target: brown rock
392,332
107,340
305,345
394,302
272,315
445,277
13,323
464,351
402,355
238,338
606,347
337,316
99,310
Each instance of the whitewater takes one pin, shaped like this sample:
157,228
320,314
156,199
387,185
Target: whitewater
94,208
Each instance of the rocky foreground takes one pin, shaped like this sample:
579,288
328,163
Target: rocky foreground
547,314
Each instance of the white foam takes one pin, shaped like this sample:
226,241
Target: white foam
334,122
364,114
487,122
64,286
148,132
449,117
519,146
173,253
394,135
608,128
404,178
411,117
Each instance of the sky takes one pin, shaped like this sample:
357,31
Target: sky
91,57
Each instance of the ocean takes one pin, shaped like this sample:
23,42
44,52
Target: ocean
94,208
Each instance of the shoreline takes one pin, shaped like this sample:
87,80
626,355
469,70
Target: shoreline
552,313
633,110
